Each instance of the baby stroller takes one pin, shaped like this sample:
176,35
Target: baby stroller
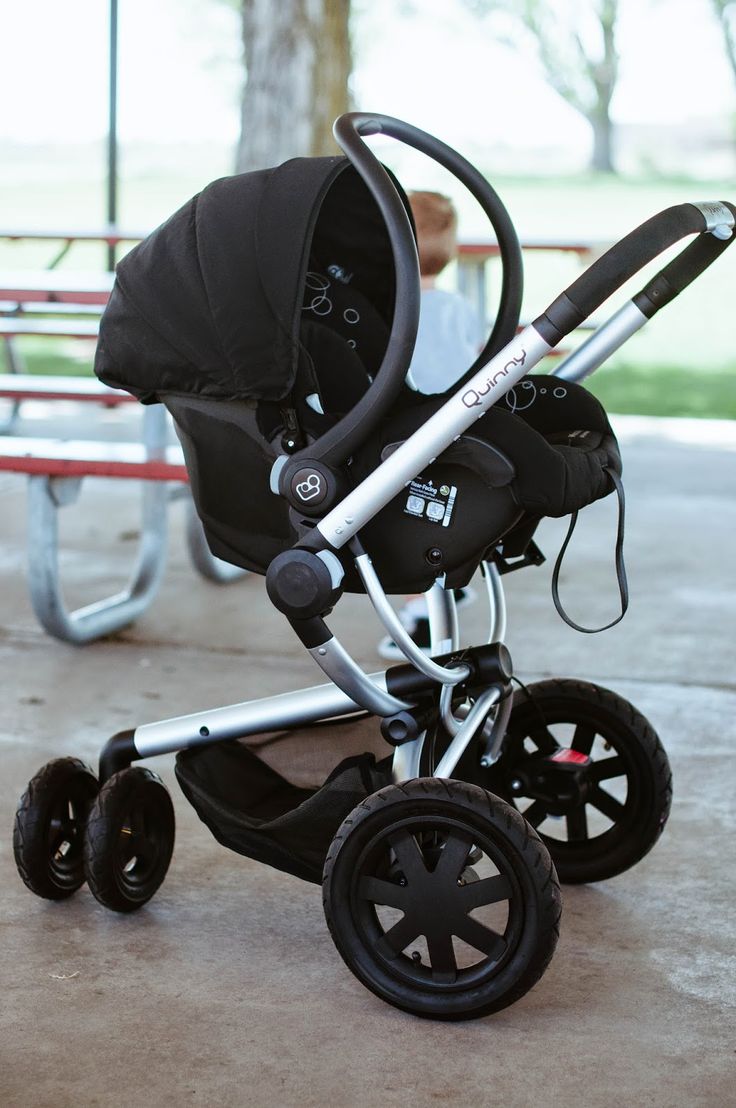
275,316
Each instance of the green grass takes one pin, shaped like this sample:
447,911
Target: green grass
659,390
656,390
52,356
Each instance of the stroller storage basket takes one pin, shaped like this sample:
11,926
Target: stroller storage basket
253,810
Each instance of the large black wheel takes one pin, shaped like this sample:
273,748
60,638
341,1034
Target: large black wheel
588,771
441,899
129,839
49,828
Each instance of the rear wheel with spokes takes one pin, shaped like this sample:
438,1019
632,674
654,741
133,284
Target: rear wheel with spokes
441,900
588,771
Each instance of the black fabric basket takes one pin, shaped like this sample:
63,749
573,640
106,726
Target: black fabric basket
253,810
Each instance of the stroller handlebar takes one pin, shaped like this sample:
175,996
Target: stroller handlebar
713,222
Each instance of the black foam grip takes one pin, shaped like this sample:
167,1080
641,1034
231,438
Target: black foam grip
682,271
615,267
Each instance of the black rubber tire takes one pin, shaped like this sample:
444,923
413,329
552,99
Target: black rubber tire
397,823
129,839
49,828
636,820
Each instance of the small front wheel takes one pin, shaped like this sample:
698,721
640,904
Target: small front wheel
441,899
129,839
49,828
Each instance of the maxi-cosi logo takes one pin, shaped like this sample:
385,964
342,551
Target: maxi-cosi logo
473,398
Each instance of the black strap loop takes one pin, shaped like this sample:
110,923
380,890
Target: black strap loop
623,585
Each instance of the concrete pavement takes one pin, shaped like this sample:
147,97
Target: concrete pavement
227,990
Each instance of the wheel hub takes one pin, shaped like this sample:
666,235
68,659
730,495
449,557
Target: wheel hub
560,780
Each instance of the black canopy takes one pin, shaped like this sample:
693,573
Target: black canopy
210,303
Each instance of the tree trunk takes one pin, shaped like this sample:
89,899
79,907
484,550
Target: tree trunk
602,157
604,74
298,61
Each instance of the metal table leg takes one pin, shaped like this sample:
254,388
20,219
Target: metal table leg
203,560
45,496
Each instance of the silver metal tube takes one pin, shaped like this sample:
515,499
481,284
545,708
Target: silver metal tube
450,721
494,739
102,617
340,667
203,560
444,634
496,603
469,403
601,344
236,721
407,760
398,632
474,719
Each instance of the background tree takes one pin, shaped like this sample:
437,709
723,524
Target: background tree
298,61
726,14
576,45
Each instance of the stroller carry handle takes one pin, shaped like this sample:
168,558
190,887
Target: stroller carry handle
348,130
712,222
337,444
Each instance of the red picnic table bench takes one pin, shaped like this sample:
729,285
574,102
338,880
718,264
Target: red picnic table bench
108,234
11,326
55,469
56,286
62,297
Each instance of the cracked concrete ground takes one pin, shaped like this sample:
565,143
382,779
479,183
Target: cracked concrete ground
227,990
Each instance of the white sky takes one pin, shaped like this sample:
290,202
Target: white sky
439,67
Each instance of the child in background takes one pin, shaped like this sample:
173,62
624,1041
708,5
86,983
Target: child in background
450,333
448,340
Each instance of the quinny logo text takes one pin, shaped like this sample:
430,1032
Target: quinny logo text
472,398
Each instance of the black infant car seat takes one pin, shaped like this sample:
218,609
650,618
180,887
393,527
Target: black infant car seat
275,297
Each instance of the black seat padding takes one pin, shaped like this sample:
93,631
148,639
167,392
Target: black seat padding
543,450
559,444
339,307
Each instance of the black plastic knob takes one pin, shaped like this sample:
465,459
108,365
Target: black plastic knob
299,584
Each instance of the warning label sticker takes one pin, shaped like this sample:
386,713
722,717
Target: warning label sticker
434,503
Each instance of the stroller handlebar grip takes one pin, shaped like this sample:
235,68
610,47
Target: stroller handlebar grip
337,444
712,222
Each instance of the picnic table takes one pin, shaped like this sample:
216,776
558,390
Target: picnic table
109,234
54,286
56,468
48,303
472,272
